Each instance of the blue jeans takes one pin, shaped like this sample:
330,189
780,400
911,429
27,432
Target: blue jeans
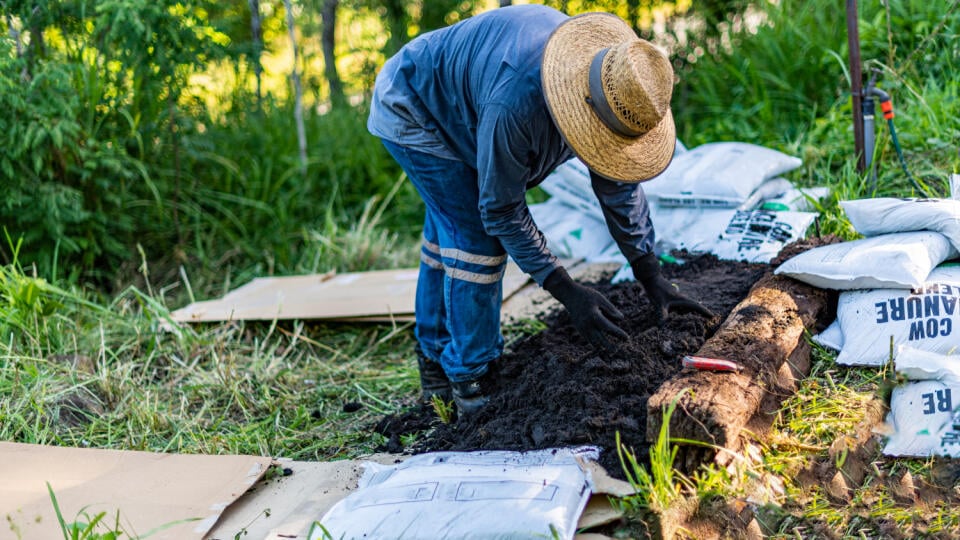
459,289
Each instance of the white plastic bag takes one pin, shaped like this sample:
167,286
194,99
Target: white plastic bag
738,235
831,337
871,217
920,365
924,420
570,234
496,495
570,183
899,260
927,318
718,175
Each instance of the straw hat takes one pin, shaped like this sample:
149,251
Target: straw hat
609,94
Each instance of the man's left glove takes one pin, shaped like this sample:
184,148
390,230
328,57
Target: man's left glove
663,294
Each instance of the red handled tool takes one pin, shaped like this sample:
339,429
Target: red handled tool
711,364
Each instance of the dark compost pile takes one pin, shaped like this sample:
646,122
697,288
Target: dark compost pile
553,389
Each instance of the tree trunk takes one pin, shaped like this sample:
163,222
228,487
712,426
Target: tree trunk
175,141
14,34
633,15
298,91
36,48
765,335
328,41
397,25
257,47
505,3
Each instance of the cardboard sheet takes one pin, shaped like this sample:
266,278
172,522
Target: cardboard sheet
293,502
148,489
376,296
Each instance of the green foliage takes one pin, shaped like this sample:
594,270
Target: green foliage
765,78
778,76
248,206
56,195
107,146
108,141
84,125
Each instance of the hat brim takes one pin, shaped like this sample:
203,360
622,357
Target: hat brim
566,86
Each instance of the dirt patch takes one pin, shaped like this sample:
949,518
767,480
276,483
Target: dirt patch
553,389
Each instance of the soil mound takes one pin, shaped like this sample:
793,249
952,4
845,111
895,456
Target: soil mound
554,389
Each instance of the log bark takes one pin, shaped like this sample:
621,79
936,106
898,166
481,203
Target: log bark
765,334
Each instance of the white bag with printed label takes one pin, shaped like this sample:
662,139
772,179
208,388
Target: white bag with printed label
924,420
759,235
737,235
926,318
482,495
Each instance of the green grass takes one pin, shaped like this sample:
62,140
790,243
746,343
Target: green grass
111,377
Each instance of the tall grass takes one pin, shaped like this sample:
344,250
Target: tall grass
783,81
250,212
77,373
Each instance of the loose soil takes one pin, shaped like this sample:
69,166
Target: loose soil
553,389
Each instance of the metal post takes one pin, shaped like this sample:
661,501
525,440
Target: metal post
856,84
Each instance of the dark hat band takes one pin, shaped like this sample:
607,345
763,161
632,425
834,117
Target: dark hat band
598,99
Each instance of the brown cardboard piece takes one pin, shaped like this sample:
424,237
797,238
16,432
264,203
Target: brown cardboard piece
148,489
312,488
294,501
375,296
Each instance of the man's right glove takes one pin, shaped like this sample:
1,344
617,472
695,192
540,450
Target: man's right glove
592,313
664,296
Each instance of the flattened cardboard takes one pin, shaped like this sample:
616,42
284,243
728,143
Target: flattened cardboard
150,490
376,296
312,488
294,501
598,512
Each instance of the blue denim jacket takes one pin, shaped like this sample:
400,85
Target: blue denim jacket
471,92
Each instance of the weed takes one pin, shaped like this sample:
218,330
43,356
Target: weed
243,531
88,528
444,409
662,485
319,532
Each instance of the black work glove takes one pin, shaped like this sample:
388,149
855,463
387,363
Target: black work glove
592,313
664,295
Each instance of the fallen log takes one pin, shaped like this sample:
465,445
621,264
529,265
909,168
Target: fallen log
764,334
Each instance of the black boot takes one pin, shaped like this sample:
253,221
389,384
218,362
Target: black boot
433,380
469,397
